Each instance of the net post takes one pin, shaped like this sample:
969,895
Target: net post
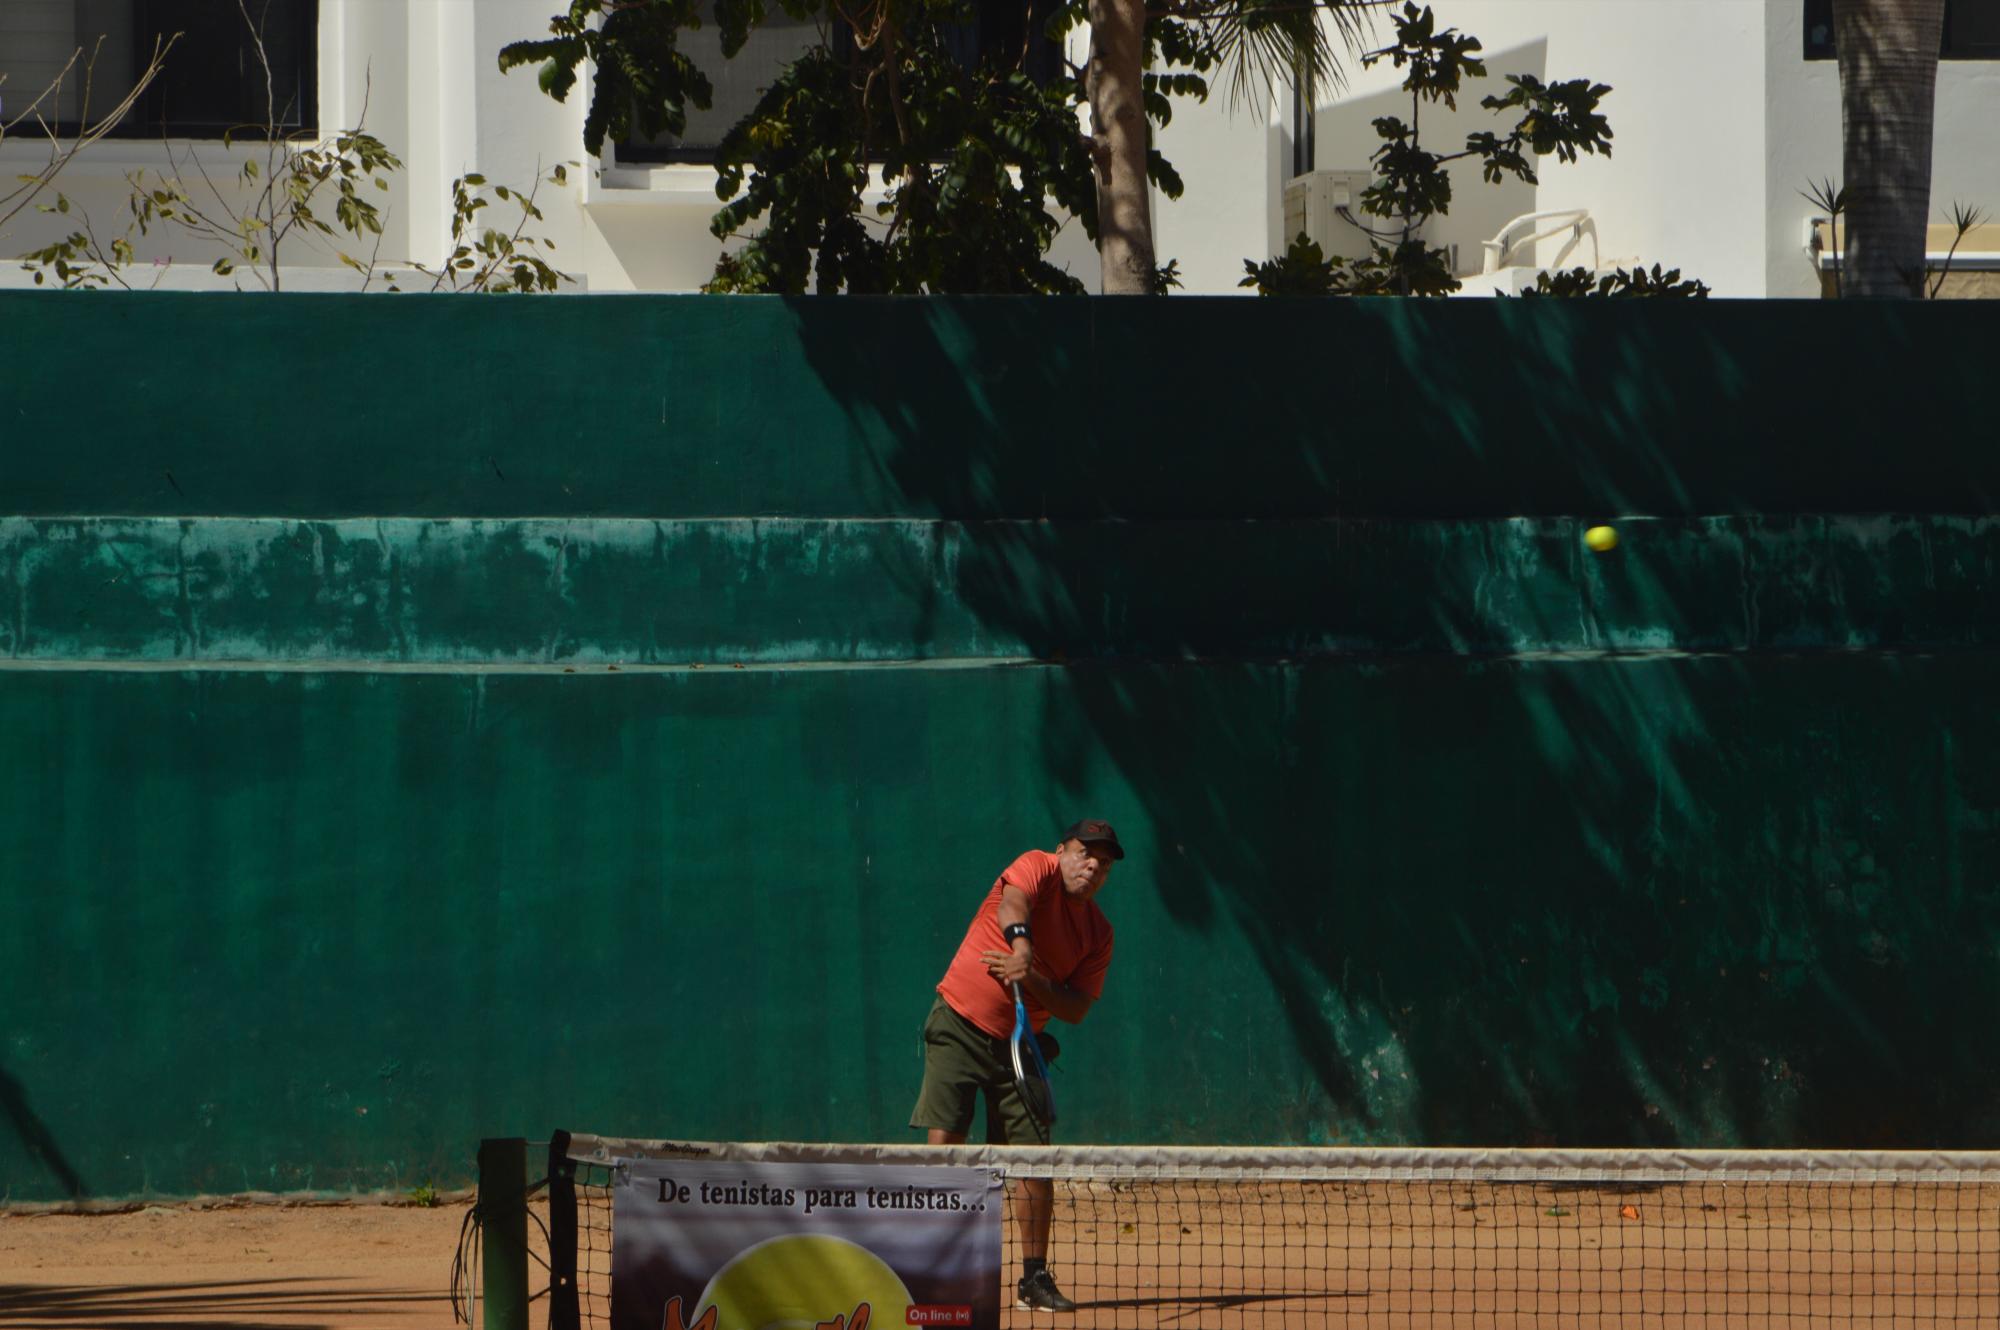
565,1309
503,1217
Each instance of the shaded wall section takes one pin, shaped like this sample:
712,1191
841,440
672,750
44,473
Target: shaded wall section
414,746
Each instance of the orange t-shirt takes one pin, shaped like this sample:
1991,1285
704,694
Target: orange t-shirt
1071,943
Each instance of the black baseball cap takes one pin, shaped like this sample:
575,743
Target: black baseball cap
1093,831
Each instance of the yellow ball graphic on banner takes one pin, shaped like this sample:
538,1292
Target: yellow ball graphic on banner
800,1281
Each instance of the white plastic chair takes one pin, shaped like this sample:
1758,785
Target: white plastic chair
1576,221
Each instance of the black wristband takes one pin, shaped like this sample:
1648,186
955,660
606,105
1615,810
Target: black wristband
1012,931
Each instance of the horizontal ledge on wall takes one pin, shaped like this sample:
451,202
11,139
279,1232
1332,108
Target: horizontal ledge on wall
359,666
784,592
1606,655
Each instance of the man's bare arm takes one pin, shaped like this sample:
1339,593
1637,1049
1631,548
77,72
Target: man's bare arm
1013,910
1063,1002
1017,965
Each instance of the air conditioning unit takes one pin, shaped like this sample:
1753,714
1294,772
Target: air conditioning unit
1321,204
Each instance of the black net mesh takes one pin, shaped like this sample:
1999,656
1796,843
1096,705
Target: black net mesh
1651,1243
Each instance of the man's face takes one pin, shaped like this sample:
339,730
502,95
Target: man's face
1085,865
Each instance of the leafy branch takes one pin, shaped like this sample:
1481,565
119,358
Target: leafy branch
1963,219
324,189
883,161
643,82
1617,284
1304,269
1412,184
486,259
29,186
1831,199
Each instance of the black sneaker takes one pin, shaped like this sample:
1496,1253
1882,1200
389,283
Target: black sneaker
1038,1292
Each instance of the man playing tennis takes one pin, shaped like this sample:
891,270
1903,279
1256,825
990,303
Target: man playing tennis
1039,927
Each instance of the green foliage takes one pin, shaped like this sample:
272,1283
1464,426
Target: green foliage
37,109
425,1196
70,259
1438,62
642,82
1302,270
1408,268
1257,45
1619,284
1830,198
1963,218
289,201
966,168
878,164
277,198
294,199
487,259
1412,184
1558,118
283,187
1826,194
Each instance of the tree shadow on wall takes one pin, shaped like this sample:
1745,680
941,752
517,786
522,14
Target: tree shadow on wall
1501,894
36,1139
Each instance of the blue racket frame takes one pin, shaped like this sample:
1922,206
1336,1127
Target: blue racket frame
1035,1068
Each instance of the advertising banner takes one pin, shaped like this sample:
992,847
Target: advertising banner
702,1245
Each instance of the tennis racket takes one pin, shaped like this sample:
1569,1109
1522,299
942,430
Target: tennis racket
1031,1070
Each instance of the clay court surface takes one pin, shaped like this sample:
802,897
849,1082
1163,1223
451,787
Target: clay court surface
1257,1258
1434,1255
378,1267
1398,1256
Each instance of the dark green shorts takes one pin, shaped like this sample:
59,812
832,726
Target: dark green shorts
960,1060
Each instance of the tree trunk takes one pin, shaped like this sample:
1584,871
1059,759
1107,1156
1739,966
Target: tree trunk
1118,131
1888,53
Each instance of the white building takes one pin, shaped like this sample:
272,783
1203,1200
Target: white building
1723,111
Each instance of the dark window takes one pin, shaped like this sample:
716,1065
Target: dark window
1001,29
1304,118
1971,30
1002,34
1819,29
213,81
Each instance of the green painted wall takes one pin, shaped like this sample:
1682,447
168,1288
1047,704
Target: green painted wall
325,407
588,591
400,750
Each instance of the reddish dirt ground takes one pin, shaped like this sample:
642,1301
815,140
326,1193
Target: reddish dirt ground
1220,1258
342,1267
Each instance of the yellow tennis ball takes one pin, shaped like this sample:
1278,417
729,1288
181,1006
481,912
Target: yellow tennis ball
1601,538
803,1280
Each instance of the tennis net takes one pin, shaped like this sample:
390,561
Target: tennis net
1392,1238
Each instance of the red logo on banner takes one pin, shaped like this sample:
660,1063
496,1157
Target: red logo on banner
921,1314
673,1320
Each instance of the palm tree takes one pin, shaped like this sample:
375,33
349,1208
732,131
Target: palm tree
645,83
1257,41
1888,55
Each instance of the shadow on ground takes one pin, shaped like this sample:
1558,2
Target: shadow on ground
254,1304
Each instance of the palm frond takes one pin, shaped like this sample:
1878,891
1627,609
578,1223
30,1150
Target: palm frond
1265,45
